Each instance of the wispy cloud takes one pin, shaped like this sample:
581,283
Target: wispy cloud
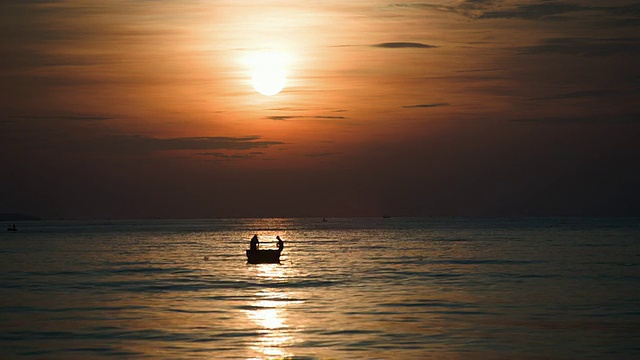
424,6
281,117
425,105
615,119
535,11
324,154
623,15
220,155
287,109
590,94
466,8
404,45
289,117
67,117
479,70
199,143
625,22
143,144
588,47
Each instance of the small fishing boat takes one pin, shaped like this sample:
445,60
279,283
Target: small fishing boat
263,256
13,228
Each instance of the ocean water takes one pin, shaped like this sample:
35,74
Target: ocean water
398,288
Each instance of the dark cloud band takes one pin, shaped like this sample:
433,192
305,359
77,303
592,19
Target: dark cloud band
404,45
425,105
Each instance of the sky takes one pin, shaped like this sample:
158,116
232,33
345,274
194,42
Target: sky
146,109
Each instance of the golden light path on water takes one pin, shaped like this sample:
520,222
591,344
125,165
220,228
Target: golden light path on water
269,312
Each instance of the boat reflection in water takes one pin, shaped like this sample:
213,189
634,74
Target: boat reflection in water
268,312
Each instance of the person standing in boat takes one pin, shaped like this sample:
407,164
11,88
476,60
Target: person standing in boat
254,243
280,243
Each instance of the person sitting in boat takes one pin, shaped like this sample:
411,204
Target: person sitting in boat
280,243
254,243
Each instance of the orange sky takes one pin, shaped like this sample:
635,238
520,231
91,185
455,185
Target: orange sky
390,107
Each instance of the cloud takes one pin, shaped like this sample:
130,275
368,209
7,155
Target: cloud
480,70
425,105
535,11
403,45
23,2
68,117
616,119
588,47
624,15
468,8
287,109
626,22
214,154
281,117
325,154
618,16
424,6
289,117
142,144
590,94
199,143
224,156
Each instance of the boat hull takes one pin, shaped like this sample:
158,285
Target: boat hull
263,256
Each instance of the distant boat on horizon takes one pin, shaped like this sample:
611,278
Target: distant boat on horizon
12,228
386,216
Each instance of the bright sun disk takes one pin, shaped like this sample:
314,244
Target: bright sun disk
269,75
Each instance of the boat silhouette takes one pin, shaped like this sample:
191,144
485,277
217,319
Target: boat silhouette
271,256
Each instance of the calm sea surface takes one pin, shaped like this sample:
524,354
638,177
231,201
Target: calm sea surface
393,288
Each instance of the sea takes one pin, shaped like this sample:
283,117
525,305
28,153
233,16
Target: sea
346,288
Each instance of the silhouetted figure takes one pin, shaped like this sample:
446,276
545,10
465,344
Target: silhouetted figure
13,228
280,243
254,243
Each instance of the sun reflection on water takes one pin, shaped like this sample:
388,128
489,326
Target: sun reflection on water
268,311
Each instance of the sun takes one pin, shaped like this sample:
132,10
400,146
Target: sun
269,75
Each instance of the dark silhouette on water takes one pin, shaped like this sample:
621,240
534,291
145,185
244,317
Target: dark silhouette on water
254,243
271,256
13,228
